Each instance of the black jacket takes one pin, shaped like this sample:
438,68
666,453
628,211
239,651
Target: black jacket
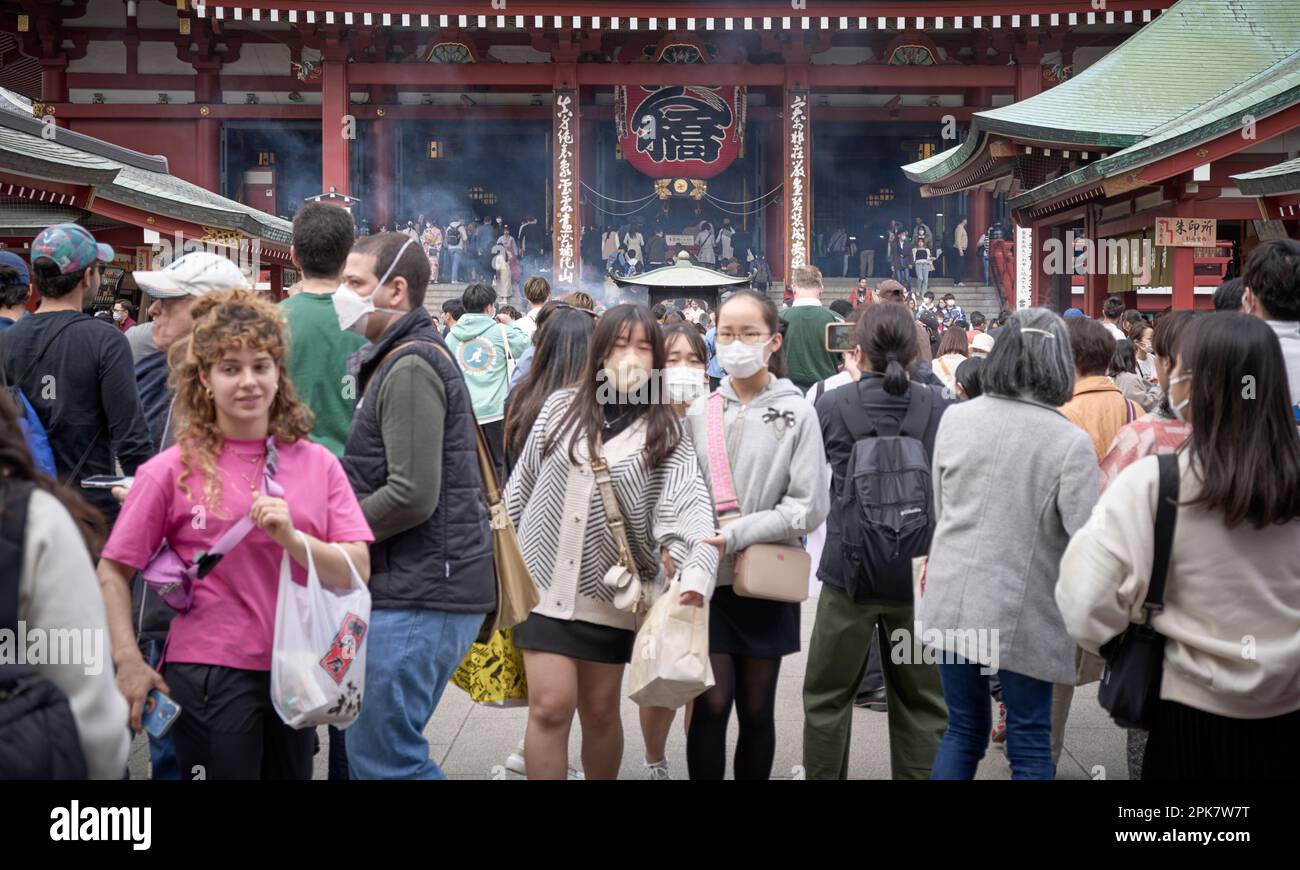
839,441
445,563
83,389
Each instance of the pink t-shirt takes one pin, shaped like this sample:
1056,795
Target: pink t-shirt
232,621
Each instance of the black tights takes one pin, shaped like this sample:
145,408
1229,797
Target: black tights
751,684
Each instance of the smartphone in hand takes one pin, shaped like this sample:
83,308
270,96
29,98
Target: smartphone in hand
160,714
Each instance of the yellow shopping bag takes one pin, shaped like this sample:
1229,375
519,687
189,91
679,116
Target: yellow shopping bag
493,672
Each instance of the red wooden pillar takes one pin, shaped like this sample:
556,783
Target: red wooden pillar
1184,279
980,211
1096,283
774,176
382,204
338,127
207,154
797,147
566,223
1029,71
54,79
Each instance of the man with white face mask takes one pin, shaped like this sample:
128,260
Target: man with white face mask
412,459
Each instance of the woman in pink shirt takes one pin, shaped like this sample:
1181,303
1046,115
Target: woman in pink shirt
237,413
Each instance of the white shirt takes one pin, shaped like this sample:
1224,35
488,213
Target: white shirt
1107,566
799,302
528,323
1115,331
1288,334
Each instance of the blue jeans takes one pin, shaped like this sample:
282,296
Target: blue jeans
412,655
162,754
1029,723
454,258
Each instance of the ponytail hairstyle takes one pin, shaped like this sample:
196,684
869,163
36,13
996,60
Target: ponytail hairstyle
887,340
777,326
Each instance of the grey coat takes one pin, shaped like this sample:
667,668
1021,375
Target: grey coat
1013,481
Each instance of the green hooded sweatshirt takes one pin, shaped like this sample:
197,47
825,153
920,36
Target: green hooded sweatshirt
479,345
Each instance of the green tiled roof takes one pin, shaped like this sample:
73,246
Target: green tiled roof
127,177
1276,179
1199,64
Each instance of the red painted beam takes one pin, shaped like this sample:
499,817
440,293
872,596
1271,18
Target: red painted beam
175,111
955,77
124,82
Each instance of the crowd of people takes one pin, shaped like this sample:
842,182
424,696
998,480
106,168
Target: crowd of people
909,254
990,487
486,250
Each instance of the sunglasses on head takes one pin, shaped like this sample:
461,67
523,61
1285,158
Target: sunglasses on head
593,314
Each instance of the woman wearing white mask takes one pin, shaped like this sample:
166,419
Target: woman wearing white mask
579,637
761,447
684,380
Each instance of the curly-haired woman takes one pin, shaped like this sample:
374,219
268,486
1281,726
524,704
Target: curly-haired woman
238,412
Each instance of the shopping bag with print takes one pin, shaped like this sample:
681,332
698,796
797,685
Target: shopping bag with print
318,660
492,673
670,658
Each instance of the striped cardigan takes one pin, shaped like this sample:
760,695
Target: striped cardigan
556,509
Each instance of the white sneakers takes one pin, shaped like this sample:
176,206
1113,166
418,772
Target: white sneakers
515,764
658,770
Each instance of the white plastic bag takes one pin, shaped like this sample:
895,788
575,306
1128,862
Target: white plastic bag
670,658
318,661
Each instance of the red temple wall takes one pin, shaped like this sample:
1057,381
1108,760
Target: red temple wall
174,140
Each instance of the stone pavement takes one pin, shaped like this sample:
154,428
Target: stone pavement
472,742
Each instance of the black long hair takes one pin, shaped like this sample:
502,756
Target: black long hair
1124,359
1244,439
558,363
585,416
692,336
887,340
16,464
776,362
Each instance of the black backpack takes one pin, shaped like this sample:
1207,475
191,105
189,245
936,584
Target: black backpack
38,734
886,502
453,236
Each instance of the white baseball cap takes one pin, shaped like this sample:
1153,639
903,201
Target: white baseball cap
194,274
982,343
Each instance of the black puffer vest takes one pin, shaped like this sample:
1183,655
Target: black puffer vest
445,563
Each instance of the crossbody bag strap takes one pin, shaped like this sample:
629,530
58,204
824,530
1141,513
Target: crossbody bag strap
1166,522
724,488
505,342
487,468
613,514
209,559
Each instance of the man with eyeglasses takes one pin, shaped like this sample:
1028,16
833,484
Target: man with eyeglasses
76,371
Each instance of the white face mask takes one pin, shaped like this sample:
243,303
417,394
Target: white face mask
630,375
684,384
742,360
1178,409
353,310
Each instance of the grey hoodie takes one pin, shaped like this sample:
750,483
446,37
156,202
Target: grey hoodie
778,466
